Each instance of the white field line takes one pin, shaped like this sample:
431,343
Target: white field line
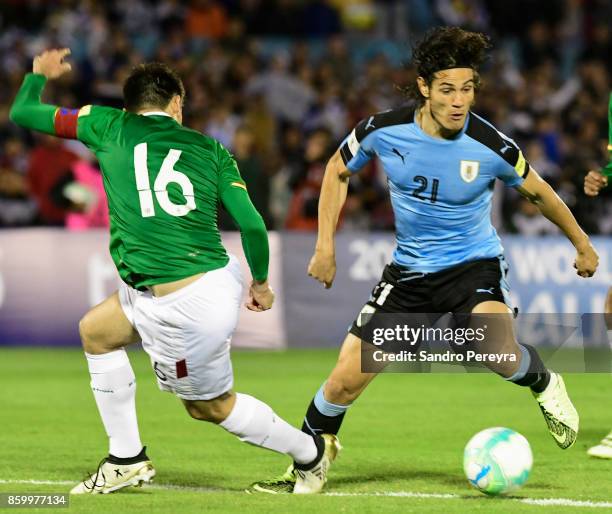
542,502
545,502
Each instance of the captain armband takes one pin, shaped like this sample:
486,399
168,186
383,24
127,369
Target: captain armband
65,121
521,166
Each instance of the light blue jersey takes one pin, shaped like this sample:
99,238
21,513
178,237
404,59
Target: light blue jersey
441,189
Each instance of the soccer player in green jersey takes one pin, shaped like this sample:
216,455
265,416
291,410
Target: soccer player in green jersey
594,182
181,291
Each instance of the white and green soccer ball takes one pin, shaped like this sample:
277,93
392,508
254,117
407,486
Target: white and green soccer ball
497,460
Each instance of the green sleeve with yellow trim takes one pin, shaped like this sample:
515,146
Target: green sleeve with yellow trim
236,200
27,109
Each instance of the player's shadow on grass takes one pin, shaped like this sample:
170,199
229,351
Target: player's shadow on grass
592,435
392,474
201,480
173,478
231,483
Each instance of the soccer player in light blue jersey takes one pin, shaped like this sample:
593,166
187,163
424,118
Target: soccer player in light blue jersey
441,161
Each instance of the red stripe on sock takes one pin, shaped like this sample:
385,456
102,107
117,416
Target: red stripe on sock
181,369
65,122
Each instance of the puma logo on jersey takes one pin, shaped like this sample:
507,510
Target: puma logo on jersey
396,152
504,148
490,290
239,184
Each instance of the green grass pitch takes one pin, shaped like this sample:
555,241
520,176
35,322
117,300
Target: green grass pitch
405,435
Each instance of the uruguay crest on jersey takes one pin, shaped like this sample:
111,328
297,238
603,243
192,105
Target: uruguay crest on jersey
469,170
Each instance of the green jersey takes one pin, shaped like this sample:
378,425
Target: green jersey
163,182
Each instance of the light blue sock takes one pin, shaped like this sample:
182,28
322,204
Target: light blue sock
523,365
326,408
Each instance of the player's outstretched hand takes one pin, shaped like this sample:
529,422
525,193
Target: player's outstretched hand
586,261
322,267
594,182
50,63
261,297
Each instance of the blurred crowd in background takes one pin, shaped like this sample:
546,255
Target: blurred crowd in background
281,82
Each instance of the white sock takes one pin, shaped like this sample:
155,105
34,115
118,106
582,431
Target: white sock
254,422
114,387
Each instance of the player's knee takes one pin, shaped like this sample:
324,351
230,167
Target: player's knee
196,412
212,411
87,333
209,413
340,391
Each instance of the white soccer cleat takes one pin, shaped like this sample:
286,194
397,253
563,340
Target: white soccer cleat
603,450
311,481
111,477
559,412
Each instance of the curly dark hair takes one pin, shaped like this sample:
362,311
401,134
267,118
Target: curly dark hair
443,48
151,85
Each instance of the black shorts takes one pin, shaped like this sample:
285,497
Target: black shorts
457,290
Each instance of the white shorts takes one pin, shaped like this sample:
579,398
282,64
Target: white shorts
187,333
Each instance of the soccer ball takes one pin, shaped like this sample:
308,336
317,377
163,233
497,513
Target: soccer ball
497,460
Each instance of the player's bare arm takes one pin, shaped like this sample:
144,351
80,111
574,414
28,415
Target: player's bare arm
322,266
594,182
537,191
